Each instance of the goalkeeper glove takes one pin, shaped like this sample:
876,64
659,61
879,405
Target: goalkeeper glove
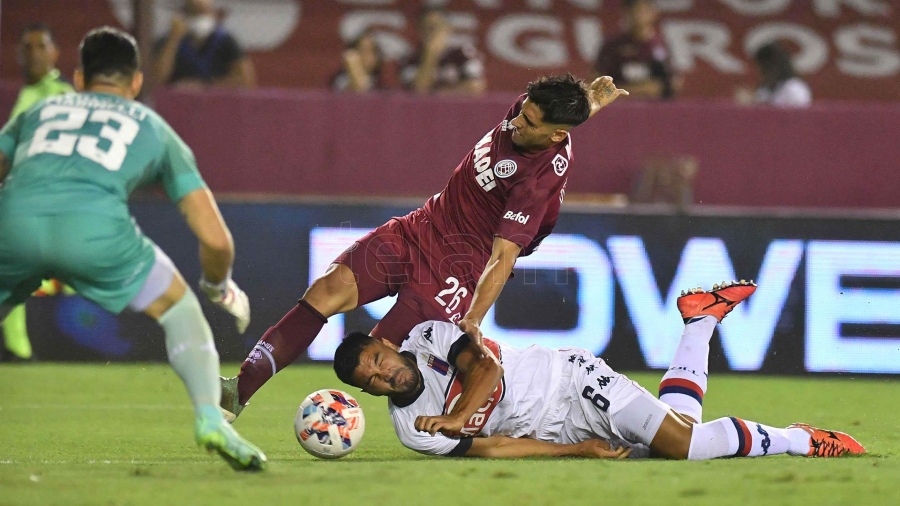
229,297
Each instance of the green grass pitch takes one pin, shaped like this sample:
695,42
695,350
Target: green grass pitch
122,435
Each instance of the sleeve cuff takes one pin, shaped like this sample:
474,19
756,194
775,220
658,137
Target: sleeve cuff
462,448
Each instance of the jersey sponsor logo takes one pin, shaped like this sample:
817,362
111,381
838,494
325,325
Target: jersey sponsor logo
438,365
519,217
454,391
560,164
427,334
482,163
505,168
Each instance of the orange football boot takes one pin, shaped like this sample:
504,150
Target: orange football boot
828,443
717,302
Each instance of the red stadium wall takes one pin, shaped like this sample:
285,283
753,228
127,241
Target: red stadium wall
847,50
319,143
325,144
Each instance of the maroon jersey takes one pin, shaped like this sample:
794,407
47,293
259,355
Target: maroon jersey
500,191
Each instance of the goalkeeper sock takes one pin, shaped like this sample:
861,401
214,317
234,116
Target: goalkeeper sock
191,350
280,346
734,437
684,384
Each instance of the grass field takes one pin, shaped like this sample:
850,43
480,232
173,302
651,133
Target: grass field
122,434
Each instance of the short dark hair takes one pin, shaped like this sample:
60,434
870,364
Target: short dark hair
628,4
563,99
109,52
431,9
37,27
776,60
346,357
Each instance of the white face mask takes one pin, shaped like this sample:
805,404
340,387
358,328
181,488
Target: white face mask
201,26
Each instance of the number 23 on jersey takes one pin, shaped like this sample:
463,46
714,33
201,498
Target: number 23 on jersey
118,129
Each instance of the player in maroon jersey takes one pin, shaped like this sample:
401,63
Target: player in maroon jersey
450,259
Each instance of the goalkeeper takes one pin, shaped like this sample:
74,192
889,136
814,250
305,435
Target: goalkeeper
67,166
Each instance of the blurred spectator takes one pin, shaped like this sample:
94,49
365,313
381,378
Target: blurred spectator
666,180
37,56
779,84
363,62
638,59
199,52
439,65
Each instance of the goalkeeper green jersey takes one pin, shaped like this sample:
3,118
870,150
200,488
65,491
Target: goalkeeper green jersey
86,152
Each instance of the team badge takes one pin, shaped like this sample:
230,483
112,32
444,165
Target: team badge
560,164
438,365
505,168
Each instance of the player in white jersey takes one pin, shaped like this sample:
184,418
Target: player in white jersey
446,398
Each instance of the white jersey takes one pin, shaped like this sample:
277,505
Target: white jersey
521,406
562,396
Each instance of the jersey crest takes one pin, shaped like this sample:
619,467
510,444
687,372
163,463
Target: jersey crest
454,391
560,165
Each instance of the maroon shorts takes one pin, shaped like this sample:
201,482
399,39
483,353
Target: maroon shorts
433,278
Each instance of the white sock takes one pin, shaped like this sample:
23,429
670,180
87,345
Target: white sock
191,350
684,384
734,437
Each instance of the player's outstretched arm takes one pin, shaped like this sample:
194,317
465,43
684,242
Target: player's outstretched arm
503,258
216,255
502,447
216,245
603,92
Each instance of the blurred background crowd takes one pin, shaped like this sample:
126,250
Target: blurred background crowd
757,97
299,85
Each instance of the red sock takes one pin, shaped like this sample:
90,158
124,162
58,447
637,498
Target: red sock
279,347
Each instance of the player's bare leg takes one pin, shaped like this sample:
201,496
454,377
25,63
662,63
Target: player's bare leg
192,353
681,436
335,292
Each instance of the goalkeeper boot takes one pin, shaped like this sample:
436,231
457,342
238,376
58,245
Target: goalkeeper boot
212,433
717,302
828,443
230,405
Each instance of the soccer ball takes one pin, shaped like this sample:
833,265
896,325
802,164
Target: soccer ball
329,424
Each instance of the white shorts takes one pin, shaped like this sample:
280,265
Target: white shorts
606,404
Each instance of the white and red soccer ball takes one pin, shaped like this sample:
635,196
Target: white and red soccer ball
329,424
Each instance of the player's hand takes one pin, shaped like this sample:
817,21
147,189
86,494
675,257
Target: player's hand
601,449
471,328
435,424
603,92
231,298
